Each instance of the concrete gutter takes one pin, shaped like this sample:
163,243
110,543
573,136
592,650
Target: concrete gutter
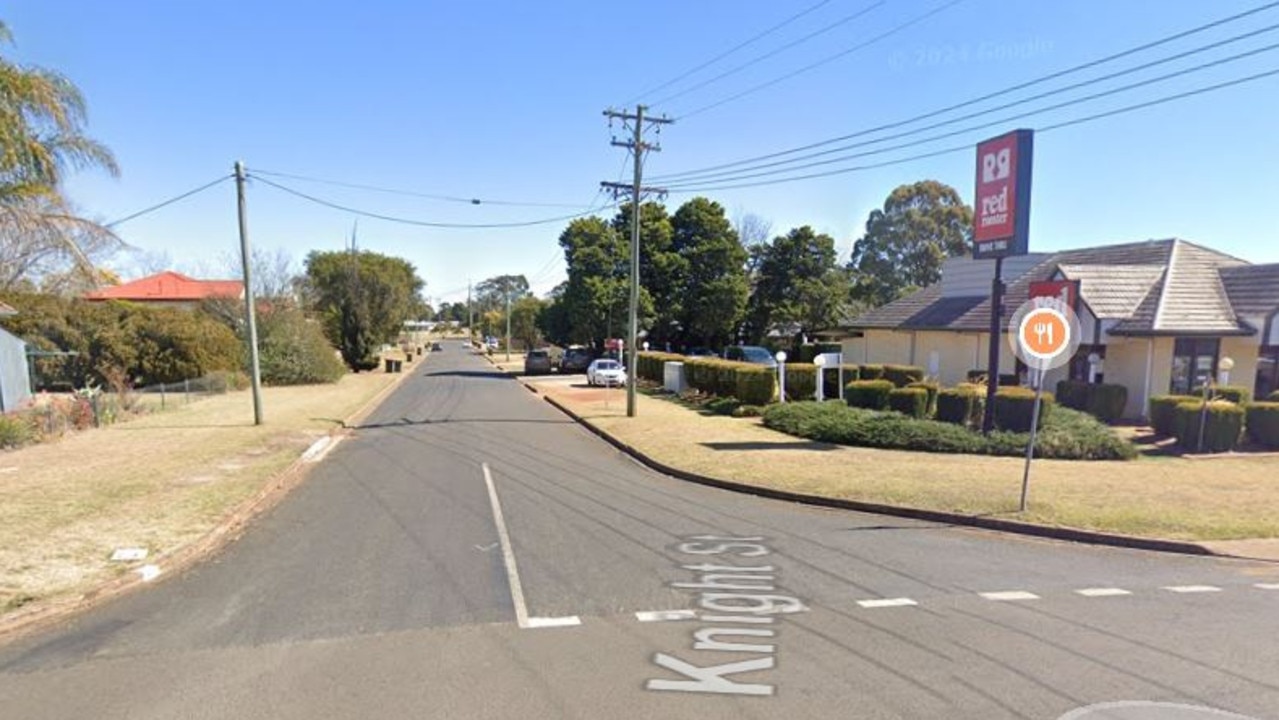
1267,551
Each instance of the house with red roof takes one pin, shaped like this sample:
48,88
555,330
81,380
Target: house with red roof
172,289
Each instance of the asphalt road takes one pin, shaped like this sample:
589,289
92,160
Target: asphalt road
386,586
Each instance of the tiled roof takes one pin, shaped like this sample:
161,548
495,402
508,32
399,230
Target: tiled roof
1153,287
1252,289
169,287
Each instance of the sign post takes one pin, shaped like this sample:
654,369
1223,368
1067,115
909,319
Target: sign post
1001,228
1044,333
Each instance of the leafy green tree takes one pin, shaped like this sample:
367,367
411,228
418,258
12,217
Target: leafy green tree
524,316
42,118
907,241
596,294
715,286
363,299
798,286
492,293
663,271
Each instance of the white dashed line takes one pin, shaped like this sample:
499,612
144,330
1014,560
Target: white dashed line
665,615
1192,588
887,602
1102,592
1267,586
1009,595
547,622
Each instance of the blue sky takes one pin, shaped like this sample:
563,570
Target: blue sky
502,101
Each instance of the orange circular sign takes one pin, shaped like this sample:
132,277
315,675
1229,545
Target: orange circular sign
1044,333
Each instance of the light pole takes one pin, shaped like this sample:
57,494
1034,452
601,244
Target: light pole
781,374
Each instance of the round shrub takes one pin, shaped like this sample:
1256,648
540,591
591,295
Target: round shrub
903,375
1015,406
1262,422
909,401
869,394
1221,421
871,372
1162,411
931,388
1105,402
294,351
960,405
15,431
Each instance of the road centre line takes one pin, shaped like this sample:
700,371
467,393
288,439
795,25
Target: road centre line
887,602
1009,595
513,572
1102,592
1267,586
1192,588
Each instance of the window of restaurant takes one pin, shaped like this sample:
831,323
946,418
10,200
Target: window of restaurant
1194,363
1267,371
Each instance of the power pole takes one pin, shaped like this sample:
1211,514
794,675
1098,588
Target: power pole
637,148
470,329
250,311
508,324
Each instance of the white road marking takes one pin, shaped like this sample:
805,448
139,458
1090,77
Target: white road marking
1192,588
1009,595
149,572
1267,586
565,621
129,554
887,602
320,448
1102,592
513,572
485,548
665,615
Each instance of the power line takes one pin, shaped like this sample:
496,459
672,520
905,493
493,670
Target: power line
772,53
968,147
824,61
168,202
709,175
988,96
424,223
981,126
728,52
411,193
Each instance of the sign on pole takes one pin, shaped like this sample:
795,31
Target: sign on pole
1002,208
1044,334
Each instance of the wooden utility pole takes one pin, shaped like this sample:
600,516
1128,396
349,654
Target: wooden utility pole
250,311
637,147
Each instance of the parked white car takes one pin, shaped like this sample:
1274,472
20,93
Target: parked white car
605,372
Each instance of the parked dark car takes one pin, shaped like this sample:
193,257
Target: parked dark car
576,360
751,354
537,362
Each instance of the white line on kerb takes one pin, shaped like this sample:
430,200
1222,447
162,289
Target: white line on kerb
887,602
665,615
1267,586
513,572
1102,592
1192,588
320,448
1009,595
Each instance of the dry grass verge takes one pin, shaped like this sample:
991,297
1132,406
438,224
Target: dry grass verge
1173,498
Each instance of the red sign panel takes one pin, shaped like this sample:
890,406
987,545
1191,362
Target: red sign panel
1001,213
1065,290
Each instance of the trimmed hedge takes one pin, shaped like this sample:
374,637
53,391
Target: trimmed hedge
1262,422
1273,397
871,372
910,401
869,394
801,381
754,384
903,375
961,405
1005,380
1222,427
1233,393
1067,434
1014,408
651,366
931,388
1162,410
1105,402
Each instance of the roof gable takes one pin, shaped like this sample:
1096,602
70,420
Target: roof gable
169,287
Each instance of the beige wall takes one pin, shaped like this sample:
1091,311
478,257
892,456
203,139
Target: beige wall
1125,364
880,347
956,353
1243,350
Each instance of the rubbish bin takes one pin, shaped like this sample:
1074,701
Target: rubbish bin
390,365
399,365
408,358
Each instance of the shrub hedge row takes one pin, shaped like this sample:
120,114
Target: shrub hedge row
1262,421
1103,401
1219,423
869,394
1162,410
961,405
1015,406
911,401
